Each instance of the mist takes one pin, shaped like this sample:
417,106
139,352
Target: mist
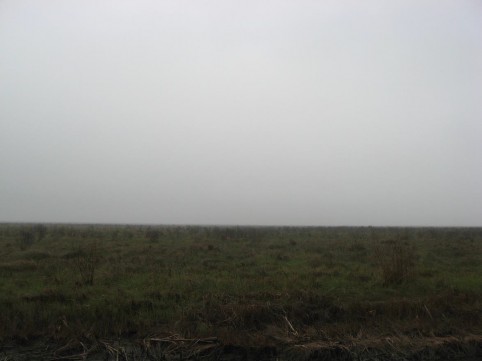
253,112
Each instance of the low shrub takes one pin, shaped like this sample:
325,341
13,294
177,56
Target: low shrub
396,260
86,261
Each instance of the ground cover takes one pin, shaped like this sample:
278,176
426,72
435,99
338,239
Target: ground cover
258,287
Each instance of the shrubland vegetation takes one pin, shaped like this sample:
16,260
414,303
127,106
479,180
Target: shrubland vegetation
244,285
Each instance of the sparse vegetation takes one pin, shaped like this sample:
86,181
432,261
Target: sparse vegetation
244,285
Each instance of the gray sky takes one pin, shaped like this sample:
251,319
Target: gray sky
241,112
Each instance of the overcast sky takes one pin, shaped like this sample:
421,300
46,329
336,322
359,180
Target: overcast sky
241,112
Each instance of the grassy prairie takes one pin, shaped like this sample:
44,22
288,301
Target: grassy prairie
247,286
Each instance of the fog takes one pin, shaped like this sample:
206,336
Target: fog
241,112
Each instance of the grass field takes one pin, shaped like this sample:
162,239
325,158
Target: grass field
247,286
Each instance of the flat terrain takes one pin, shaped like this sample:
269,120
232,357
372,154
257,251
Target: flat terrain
273,291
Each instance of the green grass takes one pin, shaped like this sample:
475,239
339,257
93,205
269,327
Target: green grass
229,281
